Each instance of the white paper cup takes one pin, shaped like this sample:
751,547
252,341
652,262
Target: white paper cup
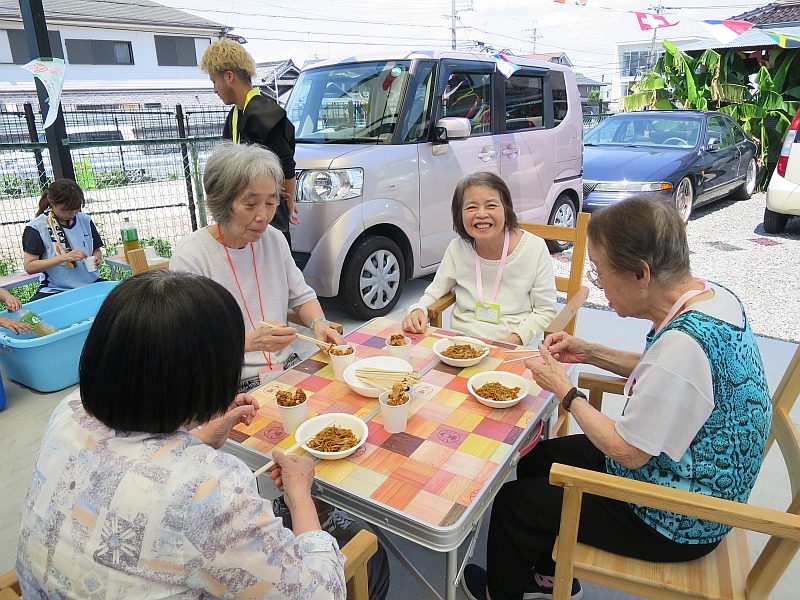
400,351
150,253
340,363
395,418
293,416
120,250
89,262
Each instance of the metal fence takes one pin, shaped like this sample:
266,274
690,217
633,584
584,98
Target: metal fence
145,165
590,120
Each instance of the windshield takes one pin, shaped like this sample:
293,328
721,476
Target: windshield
349,104
663,131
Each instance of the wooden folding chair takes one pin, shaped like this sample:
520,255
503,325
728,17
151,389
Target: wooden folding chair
358,551
567,317
726,573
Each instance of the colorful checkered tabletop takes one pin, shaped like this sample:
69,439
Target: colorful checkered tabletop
451,447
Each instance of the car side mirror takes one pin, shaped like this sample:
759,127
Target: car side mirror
451,128
714,143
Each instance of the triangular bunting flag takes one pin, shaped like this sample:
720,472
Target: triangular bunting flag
784,41
726,31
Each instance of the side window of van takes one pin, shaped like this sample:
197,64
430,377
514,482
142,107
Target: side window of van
559,97
419,112
524,102
469,95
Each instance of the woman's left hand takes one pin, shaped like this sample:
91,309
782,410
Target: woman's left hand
216,431
325,333
13,304
550,375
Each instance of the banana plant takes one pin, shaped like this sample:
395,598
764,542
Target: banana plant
761,92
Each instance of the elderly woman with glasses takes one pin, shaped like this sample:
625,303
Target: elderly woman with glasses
696,415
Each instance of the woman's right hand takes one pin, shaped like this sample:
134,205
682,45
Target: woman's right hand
293,475
73,256
566,348
269,339
416,321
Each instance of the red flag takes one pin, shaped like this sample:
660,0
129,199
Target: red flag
649,21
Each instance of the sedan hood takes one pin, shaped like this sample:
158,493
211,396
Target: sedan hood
607,163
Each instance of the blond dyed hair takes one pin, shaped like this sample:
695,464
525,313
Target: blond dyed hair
227,55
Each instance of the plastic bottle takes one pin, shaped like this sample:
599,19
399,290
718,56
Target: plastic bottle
130,237
39,326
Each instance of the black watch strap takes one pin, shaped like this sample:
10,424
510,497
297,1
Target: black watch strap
570,396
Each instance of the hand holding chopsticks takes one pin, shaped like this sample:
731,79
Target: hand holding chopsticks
324,345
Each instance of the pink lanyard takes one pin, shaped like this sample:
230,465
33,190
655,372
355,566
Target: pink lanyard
497,278
679,304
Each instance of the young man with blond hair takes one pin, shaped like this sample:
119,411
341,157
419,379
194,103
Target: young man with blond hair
254,118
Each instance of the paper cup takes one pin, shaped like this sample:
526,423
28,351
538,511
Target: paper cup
400,351
89,262
340,363
292,416
395,418
150,253
120,250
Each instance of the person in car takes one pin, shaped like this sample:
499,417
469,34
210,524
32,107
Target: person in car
696,416
502,276
58,238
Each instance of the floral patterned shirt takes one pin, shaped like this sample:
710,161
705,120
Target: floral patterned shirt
112,515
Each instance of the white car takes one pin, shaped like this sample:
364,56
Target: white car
783,192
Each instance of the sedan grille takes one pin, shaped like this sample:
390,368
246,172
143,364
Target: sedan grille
588,188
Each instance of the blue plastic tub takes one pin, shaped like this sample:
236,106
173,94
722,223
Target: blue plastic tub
50,363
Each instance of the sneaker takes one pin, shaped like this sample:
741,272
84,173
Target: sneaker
474,582
339,524
540,587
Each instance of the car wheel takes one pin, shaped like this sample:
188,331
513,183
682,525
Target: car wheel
563,215
774,222
373,277
684,198
744,191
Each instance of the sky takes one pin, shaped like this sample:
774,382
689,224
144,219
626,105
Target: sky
308,29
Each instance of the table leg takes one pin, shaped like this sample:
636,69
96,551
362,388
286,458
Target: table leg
389,545
451,584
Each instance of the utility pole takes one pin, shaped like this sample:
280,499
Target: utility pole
453,24
534,35
652,58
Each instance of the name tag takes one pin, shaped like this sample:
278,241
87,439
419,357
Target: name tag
489,313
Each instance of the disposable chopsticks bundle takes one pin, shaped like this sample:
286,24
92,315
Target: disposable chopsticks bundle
384,379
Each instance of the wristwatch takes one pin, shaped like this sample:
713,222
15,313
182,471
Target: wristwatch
570,396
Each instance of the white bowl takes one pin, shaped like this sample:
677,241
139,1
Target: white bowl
376,362
316,424
443,344
505,378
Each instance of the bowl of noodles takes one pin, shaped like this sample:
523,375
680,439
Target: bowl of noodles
336,435
498,389
460,352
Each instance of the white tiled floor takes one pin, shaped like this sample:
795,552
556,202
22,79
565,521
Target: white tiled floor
27,412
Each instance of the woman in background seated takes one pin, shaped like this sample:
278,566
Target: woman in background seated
57,240
696,416
252,260
131,498
502,276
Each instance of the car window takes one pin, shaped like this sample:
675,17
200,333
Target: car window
469,95
717,128
419,112
524,102
560,103
738,134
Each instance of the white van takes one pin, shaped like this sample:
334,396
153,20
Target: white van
382,142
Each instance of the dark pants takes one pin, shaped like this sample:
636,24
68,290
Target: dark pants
526,516
281,221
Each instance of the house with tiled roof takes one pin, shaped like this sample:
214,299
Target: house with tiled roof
125,53
556,57
276,78
783,11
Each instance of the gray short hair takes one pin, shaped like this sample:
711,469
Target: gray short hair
643,229
230,169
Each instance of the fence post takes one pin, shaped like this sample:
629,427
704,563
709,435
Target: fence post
187,173
198,184
34,135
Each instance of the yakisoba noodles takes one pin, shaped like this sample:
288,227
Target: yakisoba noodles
494,390
461,351
333,439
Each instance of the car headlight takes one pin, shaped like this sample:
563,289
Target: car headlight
633,186
329,185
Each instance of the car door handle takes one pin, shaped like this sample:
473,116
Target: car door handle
511,151
487,154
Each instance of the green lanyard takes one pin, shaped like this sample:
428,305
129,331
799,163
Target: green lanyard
235,129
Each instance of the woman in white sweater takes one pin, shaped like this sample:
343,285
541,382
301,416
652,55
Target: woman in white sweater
502,276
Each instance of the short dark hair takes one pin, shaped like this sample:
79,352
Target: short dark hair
639,229
489,180
165,349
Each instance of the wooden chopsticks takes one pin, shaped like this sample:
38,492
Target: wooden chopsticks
323,345
465,339
384,378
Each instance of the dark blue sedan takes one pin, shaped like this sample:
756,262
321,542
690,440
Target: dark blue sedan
684,157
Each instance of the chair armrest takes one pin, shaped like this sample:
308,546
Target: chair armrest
568,312
9,581
293,317
597,384
436,310
358,551
718,510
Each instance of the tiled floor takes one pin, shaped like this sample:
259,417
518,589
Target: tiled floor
27,412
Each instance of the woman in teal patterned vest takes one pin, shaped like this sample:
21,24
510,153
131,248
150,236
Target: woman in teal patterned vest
696,415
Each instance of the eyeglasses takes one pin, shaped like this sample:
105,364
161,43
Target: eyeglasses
593,276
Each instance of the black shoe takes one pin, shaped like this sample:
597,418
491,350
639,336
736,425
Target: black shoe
339,524
541,588
474,582
282,511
